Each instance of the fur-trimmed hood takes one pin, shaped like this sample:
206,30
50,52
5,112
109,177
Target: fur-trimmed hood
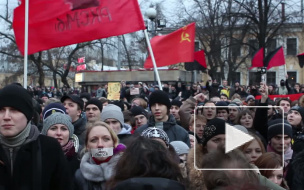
195,177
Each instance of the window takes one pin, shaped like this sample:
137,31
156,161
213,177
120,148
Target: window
235,76
235,48
253,47
254,78
291,46
217,76
272,45
271,78
196,46
292,78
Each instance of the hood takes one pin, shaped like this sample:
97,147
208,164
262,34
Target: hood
126,129
151,183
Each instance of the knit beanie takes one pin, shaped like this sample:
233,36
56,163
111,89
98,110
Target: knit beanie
52,108
17,97
96,102
85,95
275,128
138,110
214,127
299,109
112,111
180,147
220,104
176,103
161,97
235,105
250,97
75,99
58,118
153,132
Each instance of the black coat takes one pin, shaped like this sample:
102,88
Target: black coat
295,174
38,165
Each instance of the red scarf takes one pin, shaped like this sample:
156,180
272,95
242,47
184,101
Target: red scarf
69,149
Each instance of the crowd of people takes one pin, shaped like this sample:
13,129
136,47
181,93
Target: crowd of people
172,138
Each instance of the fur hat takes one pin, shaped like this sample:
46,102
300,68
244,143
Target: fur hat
161,97
275,128
96,102
17,97
250,97
52,108
112,111
75,99
58,118
138,110
180,147
214,127
153,132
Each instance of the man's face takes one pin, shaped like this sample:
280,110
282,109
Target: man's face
114,124
222,114
209,111
224,98
297,87
159,112
270,88
277,143
174,111
225,83
233,112
72,109
92,113
140,120
270,111
199,128
285,105
236,84
12,122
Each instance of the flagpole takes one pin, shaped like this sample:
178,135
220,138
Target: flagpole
153,59
26,43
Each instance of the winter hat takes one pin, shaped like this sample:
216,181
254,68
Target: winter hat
17,97
112,111
241,128
214,127
160,97
275,128
299,109
58,118
153,132
250,97
222,103
138,110
180,147
96,102
85,95
235,105
75,99
237,101
176,103
52,108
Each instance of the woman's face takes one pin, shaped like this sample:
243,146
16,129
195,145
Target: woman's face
246,121
294,117
253,151
276,177
213,143
99,137
59,132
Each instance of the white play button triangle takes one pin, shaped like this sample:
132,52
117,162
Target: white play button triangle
235,138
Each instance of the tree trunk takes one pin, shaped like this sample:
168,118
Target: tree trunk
55,80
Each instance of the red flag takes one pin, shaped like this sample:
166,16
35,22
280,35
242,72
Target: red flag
81,60
173,48
81,67
257,60
199,56
63,22
275,58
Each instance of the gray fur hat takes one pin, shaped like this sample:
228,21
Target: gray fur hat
180,147
57,118
112,111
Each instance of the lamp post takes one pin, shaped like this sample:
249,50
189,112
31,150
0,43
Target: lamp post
151,13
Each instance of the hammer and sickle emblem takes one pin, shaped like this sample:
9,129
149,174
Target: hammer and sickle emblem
185,36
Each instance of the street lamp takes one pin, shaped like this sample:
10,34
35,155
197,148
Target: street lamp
151,13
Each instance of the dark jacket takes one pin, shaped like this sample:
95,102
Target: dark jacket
295,175
39,165
151,183
174,131
79,129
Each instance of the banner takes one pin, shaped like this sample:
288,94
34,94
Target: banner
113,91
292,97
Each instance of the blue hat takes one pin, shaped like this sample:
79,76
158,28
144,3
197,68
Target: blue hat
53,108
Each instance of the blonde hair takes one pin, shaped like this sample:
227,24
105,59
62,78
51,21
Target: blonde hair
90,126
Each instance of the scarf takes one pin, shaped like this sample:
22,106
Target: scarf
17,140
69,149
287,154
